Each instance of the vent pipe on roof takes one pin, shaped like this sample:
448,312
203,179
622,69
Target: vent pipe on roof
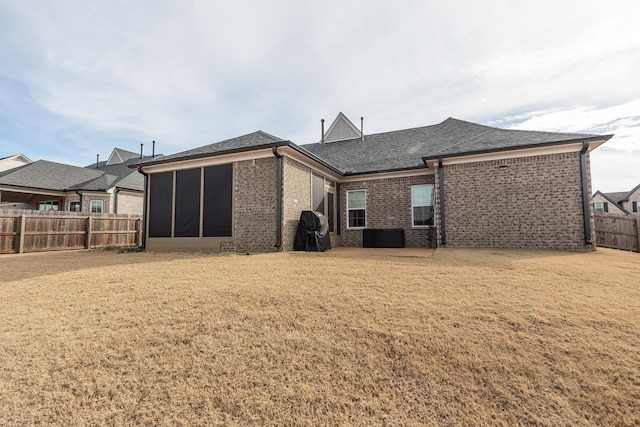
141,145
97,160
153,149
322,131
361,128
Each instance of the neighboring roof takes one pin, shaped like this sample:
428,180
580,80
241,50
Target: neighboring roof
617,196
341,129
610,200
249,142
17,156
46,175
406,149
125,176
633,190
118,155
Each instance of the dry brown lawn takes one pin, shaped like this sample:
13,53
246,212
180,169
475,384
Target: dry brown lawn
452,337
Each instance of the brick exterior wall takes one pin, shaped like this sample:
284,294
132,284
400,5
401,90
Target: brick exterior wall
129,202
87,198
388,205
535,202
296,197
254,204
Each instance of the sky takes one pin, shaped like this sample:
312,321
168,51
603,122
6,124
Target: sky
78,78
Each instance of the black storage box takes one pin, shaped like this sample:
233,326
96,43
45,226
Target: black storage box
383,238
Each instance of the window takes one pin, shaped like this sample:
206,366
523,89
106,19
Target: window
601,206
74,207
634,206
422,205
48,205
96,206
356,209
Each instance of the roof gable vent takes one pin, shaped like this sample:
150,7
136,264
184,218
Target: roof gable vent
341,129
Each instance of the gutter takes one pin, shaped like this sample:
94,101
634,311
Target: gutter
278,197
144,207
585,193
443,234
169,159
455,155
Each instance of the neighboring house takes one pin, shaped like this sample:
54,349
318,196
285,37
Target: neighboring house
104,187
618,203
455,183
14,161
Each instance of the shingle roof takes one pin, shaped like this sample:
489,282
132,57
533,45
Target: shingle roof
47,175
405,149
255,140
617,196
126,177
396,150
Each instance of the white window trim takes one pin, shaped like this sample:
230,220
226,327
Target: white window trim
101,206
412,206
366,217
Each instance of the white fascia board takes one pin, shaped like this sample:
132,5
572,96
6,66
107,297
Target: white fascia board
13,189
387,175
209,161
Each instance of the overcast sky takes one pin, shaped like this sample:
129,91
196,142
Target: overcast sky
80,77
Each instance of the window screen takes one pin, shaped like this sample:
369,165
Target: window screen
218,201
160,201
187,216
318,193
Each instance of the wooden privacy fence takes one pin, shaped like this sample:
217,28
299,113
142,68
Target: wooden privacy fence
618,232
35,231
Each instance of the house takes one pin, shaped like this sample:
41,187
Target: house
104,187
14,161
618,203
455,183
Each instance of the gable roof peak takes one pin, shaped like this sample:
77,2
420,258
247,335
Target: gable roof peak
118,155
342,128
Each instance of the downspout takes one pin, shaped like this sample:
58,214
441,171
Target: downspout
144,208
585,193
79,194
443,234
115,200
278,197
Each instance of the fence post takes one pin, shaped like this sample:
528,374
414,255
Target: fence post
89,232
139,232
23,225
638,230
